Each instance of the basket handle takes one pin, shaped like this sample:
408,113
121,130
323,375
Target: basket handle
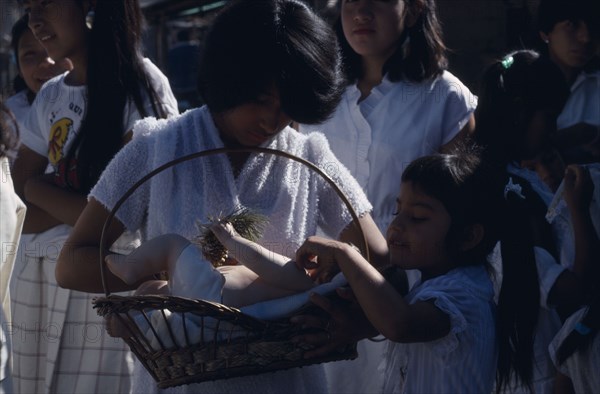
212,152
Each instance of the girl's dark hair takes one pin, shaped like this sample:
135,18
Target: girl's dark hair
421,53
551,12
19,28
577,341
115,76
254,44
8,139
512,89
472,191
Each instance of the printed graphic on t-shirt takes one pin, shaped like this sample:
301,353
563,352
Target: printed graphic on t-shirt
59,132
65,174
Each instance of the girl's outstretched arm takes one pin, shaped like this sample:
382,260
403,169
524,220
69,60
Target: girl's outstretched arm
383,305
275,269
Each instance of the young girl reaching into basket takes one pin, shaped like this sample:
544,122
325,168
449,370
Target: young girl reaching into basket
265,63
76,124
446,334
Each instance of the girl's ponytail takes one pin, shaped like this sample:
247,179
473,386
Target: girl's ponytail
519,299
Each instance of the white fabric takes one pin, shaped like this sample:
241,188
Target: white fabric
195,277
464,361
59,342
294,198
581,366
376,139
583,104
19,106
397,123
12,215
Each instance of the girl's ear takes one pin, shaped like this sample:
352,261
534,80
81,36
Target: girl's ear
473,235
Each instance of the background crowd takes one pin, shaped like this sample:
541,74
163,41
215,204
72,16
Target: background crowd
483,197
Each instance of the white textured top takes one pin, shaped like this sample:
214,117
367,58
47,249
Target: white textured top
583,365
295,199
583,105
464,361
397,123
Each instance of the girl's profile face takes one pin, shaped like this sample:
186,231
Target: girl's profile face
252,124
35,67
59,25
570,44
417,235
373,27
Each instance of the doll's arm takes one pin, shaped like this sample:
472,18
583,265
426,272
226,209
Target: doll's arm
273,268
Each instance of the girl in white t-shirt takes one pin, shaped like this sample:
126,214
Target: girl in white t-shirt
35,68
77,123
571,39
400,104
445,334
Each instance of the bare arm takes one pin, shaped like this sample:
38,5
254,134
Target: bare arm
78,265
29,165
63,205
376,242
383,305
273,268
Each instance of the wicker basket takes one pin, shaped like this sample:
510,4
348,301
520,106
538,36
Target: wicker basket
239,344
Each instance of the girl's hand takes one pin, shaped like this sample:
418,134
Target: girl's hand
343,324
318,256
578,188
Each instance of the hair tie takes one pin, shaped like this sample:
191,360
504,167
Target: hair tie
507,62
513,188
582,329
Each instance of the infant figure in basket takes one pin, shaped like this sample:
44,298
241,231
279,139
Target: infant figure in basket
261,275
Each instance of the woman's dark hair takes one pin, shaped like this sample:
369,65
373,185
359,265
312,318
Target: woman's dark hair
512,90
115,76
471,189
8,138
421,53
254,44
19,28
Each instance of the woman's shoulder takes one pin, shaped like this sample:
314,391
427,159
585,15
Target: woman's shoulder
151,125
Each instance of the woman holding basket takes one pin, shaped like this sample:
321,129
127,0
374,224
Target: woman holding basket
291,72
